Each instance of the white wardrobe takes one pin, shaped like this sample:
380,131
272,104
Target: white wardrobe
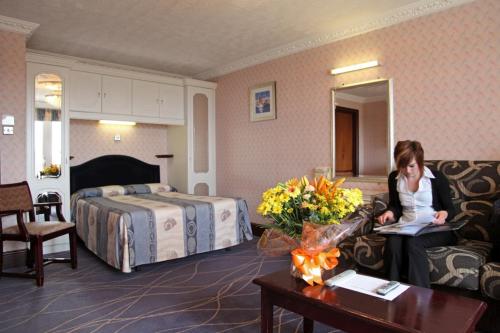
61,88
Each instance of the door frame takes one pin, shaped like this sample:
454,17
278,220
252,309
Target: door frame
355,136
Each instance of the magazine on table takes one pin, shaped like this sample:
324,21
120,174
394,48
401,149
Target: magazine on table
418,227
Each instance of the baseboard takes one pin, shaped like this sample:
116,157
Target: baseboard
14,258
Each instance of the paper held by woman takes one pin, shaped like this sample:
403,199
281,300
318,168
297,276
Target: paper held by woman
418,227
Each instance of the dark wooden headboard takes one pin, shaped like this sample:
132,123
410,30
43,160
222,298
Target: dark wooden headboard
112,170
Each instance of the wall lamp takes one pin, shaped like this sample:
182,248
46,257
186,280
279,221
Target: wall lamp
355,67
117,122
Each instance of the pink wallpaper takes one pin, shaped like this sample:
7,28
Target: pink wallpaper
13,102
89,139
446,79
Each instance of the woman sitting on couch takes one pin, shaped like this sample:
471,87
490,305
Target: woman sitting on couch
415,192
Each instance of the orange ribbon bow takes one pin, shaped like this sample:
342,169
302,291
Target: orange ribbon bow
310,264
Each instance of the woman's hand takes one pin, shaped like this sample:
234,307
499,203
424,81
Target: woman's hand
440,217
387,216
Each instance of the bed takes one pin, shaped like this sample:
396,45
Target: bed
127,218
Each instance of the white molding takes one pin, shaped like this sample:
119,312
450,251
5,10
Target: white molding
101,67
199,83
16,25
418,9
359,99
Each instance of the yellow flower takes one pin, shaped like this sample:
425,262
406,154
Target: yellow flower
293,191
321,201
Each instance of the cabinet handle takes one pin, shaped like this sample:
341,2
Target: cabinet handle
104,95
99,93
162,101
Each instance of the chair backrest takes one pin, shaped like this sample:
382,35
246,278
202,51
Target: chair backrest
16,197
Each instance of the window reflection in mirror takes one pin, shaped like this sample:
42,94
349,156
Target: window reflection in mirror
47,127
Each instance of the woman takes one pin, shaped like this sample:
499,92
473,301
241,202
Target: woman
415,192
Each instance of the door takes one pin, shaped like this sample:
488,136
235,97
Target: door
145,99
201,140
171,101
85,92
346,141
47,120
116,95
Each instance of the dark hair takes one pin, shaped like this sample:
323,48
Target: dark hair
405,151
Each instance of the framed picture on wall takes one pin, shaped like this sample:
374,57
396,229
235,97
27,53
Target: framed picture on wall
263,101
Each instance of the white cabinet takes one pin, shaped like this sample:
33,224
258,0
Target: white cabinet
97,93
47,138
116,95
146,99
85,92
192,170
151,99
171,102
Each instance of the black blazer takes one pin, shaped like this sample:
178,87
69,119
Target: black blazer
441,198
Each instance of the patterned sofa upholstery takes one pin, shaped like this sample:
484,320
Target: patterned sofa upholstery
470,264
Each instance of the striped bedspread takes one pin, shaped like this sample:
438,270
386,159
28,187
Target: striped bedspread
128,226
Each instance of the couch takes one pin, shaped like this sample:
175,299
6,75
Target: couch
473,263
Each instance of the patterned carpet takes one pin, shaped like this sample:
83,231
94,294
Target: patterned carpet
205,293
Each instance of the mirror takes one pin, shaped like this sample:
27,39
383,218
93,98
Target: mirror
200,132
362,129
47,138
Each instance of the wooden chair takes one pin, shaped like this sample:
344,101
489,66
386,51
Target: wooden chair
15,199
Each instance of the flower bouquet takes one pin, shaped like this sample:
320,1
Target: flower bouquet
307,221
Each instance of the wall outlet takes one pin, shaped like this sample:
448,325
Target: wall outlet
8,130
117,137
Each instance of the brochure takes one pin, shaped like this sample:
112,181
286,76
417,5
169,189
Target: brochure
368,285
417,228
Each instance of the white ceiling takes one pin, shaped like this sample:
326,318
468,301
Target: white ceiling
203,38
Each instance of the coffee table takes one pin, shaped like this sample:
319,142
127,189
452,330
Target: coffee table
416,310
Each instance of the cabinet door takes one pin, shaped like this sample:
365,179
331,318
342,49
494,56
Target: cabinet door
145,99
116,95
171,101
85,92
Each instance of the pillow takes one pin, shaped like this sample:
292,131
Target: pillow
114,190
158,187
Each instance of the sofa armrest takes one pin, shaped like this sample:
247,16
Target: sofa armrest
490,275
363,216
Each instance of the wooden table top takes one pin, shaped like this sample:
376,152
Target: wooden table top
416,310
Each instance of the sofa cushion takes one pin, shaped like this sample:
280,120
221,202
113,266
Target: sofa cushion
368,251
490,280
364,216
483,248
346,248
480,224
456,266
470,180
